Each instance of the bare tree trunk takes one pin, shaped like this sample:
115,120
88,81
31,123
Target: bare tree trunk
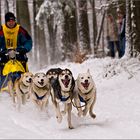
95,27
4,9
83,26
136,26
23,17
12,6
69,32
32,24
128,29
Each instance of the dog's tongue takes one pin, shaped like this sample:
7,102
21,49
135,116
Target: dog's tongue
85,85
65,82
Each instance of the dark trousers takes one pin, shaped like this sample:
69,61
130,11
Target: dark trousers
112,45
122,46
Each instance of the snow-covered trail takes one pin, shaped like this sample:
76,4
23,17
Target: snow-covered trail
117,110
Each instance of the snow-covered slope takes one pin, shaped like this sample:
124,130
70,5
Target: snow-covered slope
117,106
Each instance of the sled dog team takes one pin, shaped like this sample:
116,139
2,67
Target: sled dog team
59,85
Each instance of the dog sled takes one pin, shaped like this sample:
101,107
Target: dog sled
11,70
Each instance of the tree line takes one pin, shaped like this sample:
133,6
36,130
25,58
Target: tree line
72,30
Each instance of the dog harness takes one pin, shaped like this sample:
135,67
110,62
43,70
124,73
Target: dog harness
82,99
39,97
63,99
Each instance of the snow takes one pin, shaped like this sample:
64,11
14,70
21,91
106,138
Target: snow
117,106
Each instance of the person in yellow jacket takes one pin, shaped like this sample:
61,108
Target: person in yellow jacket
13,37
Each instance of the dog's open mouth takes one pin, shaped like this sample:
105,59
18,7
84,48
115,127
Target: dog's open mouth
28,81
85,85
41,83
66,82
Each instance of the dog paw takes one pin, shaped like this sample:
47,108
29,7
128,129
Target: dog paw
71,127
93,116
59,119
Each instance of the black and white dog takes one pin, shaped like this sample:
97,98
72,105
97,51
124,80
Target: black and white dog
62,91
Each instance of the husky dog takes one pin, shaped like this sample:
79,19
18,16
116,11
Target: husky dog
40,90
53,73
22,88
62,91
20,84
86,92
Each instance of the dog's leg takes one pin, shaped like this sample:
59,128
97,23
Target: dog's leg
19,102
44,105
90,111
36,103
64,111
57,110
86,109
77,104
91,108
23,99
69,108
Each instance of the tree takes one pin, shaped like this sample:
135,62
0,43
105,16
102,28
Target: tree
128,28
83,26
136,27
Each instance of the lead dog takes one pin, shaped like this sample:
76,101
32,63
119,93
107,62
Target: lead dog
40,90
62,91
87,92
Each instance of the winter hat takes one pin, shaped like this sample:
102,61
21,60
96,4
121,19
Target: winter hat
9,16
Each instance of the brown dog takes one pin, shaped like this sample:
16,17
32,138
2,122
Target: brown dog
20,88
40,90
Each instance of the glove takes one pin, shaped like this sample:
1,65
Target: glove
21,50
11,53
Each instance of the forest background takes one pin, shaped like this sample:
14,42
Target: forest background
72,30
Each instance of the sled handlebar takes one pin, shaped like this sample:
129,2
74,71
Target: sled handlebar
11,53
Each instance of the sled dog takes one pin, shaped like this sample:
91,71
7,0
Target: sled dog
86,90
62,92
22,88
53,73
40,90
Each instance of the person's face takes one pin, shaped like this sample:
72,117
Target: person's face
11,23
120,15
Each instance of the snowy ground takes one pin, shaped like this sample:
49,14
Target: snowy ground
117,107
